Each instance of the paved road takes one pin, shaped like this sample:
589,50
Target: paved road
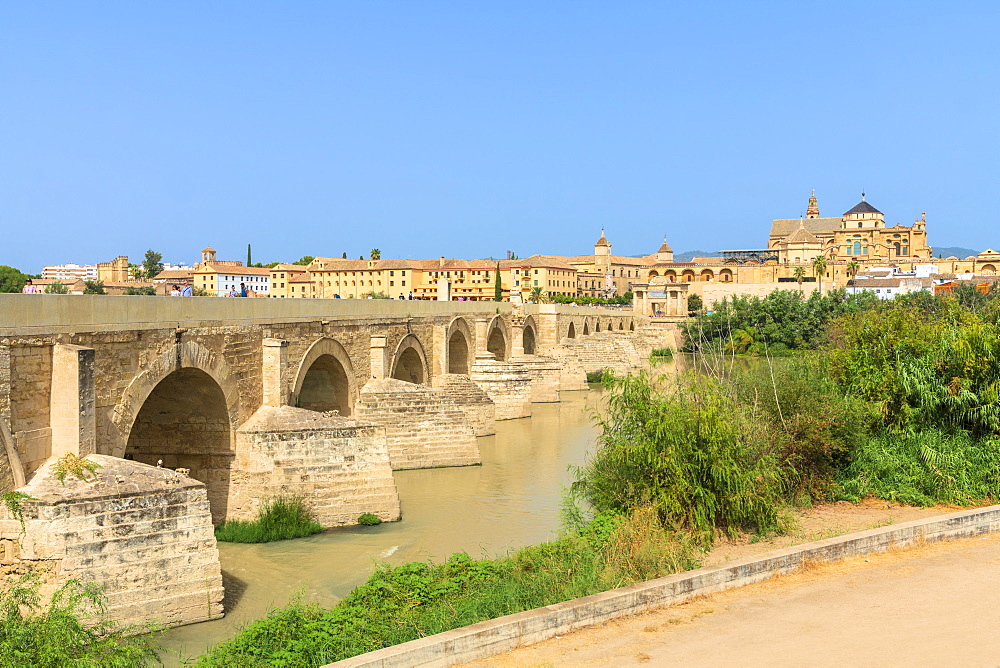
935,605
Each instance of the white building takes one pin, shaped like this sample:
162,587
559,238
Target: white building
69,273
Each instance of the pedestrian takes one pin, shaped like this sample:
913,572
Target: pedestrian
29,288
175,291
243,289
187,290
233,293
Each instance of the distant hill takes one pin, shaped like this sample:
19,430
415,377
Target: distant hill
687,256
948,251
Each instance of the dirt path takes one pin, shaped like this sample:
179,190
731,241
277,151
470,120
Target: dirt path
928,605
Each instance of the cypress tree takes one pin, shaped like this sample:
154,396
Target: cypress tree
498,288
249,258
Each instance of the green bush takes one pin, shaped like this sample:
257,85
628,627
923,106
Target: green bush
595,376
55,635
369,519
278,519
692,453
924,469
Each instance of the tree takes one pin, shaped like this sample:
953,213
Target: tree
695,304
800,275
538,295
344,255
852,269
146,290
93,288
151,265
11,279
361,257
304,260
376,254
819,268
249,257
498,287
56,288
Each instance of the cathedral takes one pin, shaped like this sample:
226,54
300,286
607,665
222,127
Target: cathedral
859,235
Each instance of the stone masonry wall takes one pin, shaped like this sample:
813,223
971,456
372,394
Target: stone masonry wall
340,466
471,400
508,385
145,533
424,427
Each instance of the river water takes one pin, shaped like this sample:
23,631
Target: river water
512,500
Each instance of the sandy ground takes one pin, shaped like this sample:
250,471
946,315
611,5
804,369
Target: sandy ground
933,605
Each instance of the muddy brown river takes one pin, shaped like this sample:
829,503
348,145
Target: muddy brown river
512,500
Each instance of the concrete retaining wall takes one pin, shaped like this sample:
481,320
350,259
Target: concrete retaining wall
506,633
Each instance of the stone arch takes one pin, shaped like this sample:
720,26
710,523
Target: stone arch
652,274
460,350
529,336
186,355
571,331
989,269
409,363
184,422
597,326
631,325
687,276
498,339
726,275
671,276
707,275
586,328
621,325
325,379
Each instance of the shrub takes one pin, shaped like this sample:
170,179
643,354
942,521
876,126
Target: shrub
691,453
55,635
595,376
924,469
278,519
369,519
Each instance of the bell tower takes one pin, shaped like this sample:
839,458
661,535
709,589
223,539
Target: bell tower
813,210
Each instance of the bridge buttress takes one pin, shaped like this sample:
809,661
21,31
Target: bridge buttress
274,373
72,416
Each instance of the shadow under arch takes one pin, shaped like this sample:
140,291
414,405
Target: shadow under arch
188,355
498,339
459,346
571,331
325,380
586,328
409,362
184,422
529,336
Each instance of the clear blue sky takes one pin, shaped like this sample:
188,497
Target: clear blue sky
468,128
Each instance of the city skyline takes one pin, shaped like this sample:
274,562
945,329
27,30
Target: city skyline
440,128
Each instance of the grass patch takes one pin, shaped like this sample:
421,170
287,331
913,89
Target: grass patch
414,600
369,519
278,519
662,353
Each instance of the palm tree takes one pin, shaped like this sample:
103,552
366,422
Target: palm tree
800,275
538,295
819,268
852,269
376,254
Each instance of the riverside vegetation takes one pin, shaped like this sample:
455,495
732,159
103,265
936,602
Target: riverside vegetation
896,400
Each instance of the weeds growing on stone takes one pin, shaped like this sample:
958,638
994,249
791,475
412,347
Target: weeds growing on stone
278,519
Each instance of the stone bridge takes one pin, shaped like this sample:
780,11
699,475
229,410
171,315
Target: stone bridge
198,410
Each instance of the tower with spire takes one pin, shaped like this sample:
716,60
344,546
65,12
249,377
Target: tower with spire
602,254
666,253
813,209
